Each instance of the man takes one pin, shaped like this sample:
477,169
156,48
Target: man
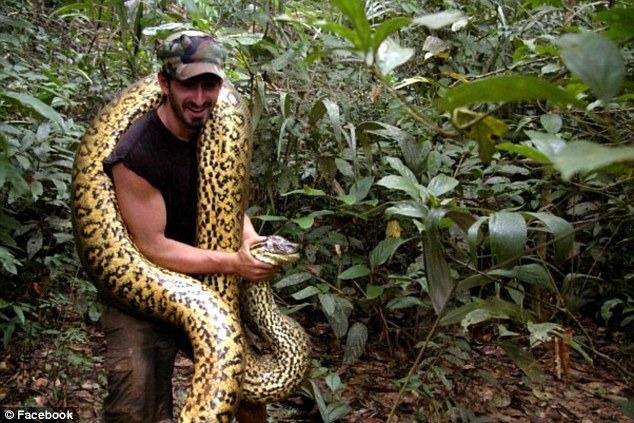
154,172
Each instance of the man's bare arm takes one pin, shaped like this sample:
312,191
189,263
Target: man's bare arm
143,210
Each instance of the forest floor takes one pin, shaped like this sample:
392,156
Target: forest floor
479,383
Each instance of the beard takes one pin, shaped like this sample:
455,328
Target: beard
194,123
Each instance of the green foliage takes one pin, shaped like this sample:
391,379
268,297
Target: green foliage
506,88
13,315
330,407
49,86
466,165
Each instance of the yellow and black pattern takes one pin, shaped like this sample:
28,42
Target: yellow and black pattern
208,310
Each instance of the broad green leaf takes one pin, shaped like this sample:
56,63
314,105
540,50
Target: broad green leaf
347,199
34,104
361,188
373,291
547,144
316,394
281,138
9,262
462,218
345,32
286,104
524,151
439,281
19,312
481,315
404,302
408,208
607,308
412,151
387,28
354,272
487,130
507,232
495,307
247,38
562,230
339,319
306,222
355,342
542,332
344,167
551,122
475,237
34,243
596,60
584,156
534,274
401,183
384,250
328,303
354,10
8,333
37,189
440,19
620,22
442,184
396,164
323,106
524,360
290,56
12,175
307,292
474,281
333,381
506,88
15,22
337,410
292,280
516,291
316,112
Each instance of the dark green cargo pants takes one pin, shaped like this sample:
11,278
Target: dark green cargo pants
140,358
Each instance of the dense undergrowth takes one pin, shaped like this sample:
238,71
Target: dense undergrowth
446,166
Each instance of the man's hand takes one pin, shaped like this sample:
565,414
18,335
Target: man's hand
250,268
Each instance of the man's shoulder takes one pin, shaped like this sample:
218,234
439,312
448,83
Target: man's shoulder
139,129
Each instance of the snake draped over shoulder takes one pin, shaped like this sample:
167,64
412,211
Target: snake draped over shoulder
208,310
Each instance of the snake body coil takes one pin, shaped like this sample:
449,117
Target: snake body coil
208,310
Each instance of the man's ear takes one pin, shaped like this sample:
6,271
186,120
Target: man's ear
164,82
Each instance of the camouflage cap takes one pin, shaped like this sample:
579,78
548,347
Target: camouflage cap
187,54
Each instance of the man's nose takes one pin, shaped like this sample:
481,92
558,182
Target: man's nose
199,95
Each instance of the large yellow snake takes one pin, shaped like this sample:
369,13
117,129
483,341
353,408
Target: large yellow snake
208,310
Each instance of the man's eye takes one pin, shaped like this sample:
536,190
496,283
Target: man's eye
211,85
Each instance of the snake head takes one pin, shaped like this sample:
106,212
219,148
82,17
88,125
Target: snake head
276,250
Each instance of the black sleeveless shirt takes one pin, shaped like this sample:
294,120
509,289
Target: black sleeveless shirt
151,151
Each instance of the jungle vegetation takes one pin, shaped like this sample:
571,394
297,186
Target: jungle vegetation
445,164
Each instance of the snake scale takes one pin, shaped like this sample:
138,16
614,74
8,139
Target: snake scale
209,309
